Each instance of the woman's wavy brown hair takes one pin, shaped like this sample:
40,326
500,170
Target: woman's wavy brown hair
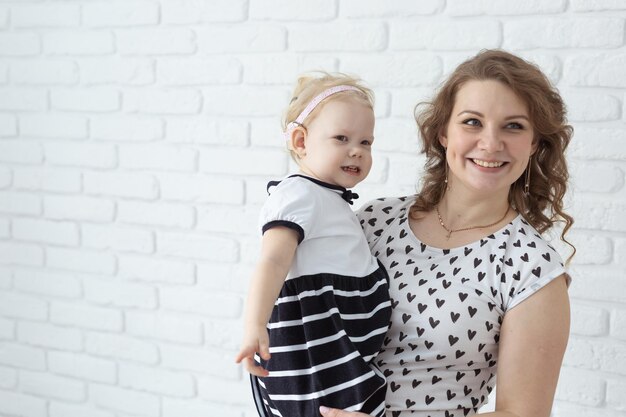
543,207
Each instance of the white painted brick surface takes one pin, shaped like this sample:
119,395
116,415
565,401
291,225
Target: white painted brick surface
136,140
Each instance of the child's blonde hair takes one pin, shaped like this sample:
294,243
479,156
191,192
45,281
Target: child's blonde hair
310,85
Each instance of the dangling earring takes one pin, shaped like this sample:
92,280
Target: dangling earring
527,182
445,181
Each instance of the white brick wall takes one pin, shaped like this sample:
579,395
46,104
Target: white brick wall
136,138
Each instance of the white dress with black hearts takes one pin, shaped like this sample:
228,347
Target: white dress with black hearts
333,310
441,352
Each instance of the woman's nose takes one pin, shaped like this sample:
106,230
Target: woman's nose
490,140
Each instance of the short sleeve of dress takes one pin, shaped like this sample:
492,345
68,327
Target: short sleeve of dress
534,264
291,205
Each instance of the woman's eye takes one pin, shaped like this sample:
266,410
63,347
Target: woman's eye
472,122
515,125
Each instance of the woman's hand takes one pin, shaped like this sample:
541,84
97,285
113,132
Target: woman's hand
333,412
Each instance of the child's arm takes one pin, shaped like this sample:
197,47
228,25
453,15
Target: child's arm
278,248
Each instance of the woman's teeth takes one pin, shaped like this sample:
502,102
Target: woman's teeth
487,164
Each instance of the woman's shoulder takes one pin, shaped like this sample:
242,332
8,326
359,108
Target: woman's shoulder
385,207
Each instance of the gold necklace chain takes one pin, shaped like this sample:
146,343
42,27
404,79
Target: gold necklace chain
450,231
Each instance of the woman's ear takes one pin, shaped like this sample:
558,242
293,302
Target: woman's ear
535,145
297,141
443,139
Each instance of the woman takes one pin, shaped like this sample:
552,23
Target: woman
477,294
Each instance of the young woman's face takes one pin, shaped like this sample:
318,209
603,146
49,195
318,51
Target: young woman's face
338,143
489,138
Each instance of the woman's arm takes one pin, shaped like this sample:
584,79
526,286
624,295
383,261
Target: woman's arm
278,248
533,338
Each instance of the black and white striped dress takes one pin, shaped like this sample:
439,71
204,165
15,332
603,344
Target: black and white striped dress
332,313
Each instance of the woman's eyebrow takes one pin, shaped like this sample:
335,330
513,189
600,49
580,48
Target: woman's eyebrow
477,113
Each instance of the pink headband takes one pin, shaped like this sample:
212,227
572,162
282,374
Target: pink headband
313,104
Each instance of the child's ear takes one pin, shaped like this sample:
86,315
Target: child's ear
297,141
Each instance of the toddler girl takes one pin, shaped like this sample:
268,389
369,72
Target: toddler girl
318,305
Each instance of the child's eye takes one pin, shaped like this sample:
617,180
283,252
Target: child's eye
472,122
341,138
366,142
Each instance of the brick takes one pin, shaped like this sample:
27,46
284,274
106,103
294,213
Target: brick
6,177
618,324
599,213
4,17
596,5
494,7
7,332
591,107
83,367
201,360
19,44
225,334
598,249
14,253
156,41
580,387
453,35
120,294
124,239
256,191
238,220
596,70
615,394
563,33
395,70
47,283
53,126
74,410
45,231
219,161
195,246
89,155
157,214
588,320
199,11
253,38
586,279
281,69
22,306
291,11
86,317
6,277
20,151
155,380
45,15
12,403
8,378
596,177
121,347
120,399
152,269
78,208
23,98
402,8
80,260
204,303
217,390
550,64
163,101
201,189
50,336
167,327
120,13
395,135
267,132
96,99
126,128
133,185
199,71
563,409
174,158
5,231
78,43
22,357
44,72
124,71
8,125
239,101
39,178
197,408
348,36
207,131
585,145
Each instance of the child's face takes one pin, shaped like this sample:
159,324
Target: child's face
338,143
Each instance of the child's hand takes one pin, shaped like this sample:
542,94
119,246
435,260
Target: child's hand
256,341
